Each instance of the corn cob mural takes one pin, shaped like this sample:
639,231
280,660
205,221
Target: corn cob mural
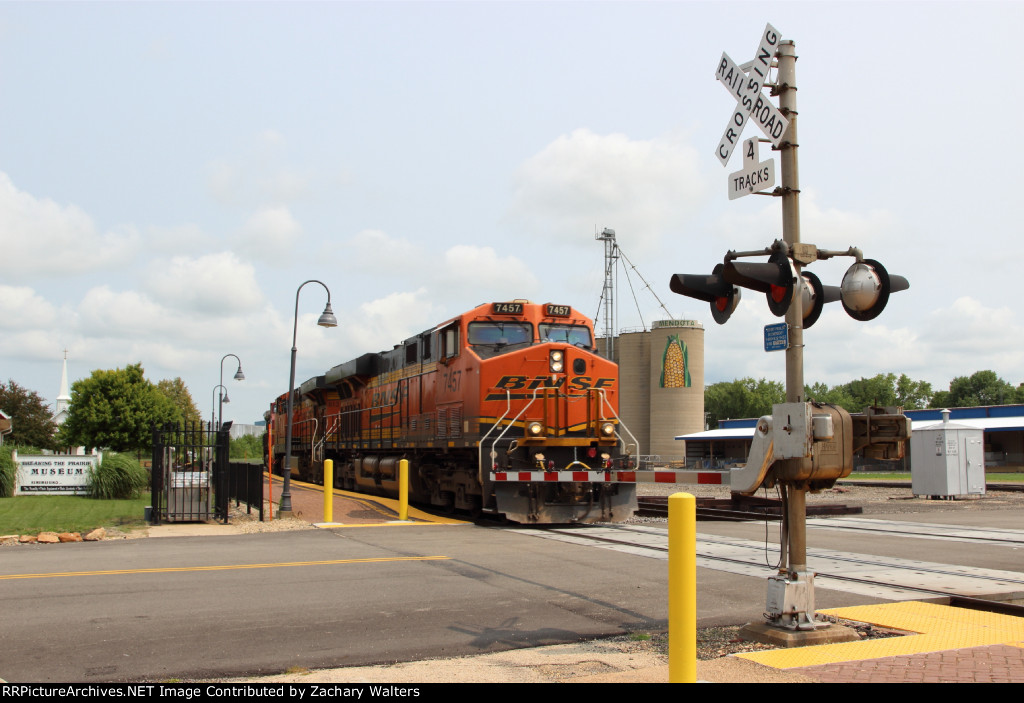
675,366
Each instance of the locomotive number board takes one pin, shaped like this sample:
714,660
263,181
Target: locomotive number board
507,308
552,310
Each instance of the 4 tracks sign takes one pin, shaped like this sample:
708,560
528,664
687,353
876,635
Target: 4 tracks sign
745,84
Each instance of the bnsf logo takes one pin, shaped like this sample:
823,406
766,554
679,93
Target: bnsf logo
578,383
389,396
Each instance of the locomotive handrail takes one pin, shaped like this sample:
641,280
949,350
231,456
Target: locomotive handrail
507,427
480,451
604,401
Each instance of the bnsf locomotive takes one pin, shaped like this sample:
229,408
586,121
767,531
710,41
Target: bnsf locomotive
505,409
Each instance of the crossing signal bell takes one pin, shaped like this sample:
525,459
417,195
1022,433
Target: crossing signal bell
866,288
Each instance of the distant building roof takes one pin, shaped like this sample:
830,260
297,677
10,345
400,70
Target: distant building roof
990,418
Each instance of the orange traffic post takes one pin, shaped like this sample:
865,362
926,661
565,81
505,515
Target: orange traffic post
682,588
329,490
403,489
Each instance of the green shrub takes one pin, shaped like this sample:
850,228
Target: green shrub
118,477
7,471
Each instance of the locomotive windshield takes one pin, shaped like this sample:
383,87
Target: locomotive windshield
492,338
569,334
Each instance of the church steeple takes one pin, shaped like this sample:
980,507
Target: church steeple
64,397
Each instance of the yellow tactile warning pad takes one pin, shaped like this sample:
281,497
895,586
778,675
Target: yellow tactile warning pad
937,628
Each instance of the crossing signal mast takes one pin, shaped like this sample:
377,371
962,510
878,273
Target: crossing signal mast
802,445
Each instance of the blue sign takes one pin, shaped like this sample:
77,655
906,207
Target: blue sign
776,337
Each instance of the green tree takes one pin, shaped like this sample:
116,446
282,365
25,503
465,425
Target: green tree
877,390
31,422
980,388
247,447
912,394
742,398
116,410
177,392
882,389
836,395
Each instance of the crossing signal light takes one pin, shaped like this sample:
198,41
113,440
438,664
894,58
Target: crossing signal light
866,287
714,289
864,291
777,279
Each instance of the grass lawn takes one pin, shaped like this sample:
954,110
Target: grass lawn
33,514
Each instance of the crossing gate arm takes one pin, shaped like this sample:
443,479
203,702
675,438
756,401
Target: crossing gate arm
692,477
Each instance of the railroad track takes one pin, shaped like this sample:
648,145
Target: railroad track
739,508
859,573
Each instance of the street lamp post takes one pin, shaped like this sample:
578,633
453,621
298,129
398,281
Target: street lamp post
239,376
327,319
214,399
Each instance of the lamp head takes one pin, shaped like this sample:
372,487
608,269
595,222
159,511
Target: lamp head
327,319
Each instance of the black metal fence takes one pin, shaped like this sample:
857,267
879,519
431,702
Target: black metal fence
245,485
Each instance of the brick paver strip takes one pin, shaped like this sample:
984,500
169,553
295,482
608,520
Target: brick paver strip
989,664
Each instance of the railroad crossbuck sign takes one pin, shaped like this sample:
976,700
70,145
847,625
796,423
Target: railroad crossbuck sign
746,88
756,175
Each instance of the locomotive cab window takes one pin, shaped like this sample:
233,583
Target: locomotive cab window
449,342
577,335
493,338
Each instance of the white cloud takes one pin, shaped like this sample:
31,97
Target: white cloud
23,307
214,285
380,324
373,250
479,273
46,239
271,235
182,239
827,228
128,314
585,180
258,175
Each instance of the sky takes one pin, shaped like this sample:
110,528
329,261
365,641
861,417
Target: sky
171,174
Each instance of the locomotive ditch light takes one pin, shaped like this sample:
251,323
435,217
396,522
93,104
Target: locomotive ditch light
815,295
535,429
723,296
866,287
608,429
777,279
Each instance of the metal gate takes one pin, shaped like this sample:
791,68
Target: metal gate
190,470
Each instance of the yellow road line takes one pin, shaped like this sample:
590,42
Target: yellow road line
226,567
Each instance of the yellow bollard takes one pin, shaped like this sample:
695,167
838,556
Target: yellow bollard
403,489
329,490
682,588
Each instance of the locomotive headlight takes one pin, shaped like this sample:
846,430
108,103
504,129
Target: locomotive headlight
556,361
608,429
534,429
